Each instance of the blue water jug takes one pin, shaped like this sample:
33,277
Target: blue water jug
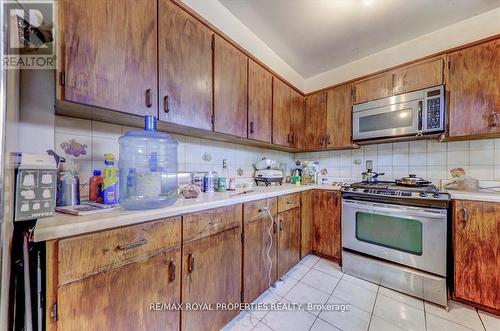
148,168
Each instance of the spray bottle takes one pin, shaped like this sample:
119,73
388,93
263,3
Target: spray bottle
110,181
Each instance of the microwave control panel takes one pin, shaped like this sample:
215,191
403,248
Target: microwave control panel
434,109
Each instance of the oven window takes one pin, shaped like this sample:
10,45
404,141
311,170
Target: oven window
391,120
398,233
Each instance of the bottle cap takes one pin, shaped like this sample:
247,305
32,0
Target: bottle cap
97,172
150,123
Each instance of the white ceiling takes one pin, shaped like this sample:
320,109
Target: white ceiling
314,36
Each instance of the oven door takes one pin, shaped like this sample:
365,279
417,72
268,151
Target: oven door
411,236
392,120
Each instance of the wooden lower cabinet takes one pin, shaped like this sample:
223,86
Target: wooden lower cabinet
476,256
306,223
288,240
256,264
211,273
120,299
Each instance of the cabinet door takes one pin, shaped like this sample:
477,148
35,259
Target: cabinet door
281,113
297,120
472,86
339,116
185,68
372,88
419,75
288,240
306,222
326,223
230,89
256,264
476,237
315,128
211,273
260,91
120,299
109,54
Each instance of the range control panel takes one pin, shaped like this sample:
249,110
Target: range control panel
397,193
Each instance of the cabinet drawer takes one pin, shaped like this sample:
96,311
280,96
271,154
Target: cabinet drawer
209,222
94,253
289,201
254,210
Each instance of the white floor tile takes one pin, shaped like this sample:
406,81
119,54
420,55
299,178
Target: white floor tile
400,314
289,320
243,322
298,271
268,297
409,300
355,295
355,319
303,293
309,260
262,327
490,321
329,267
380,324
361,282
435,323
320,280
458,313
320,325
283,286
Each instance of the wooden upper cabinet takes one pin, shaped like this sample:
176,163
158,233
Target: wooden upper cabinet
109,51
281,113
260,91
374,87
476,245
315,121
419,75
288,240
472,90
339,117
185,68
297,120
119,299
230,89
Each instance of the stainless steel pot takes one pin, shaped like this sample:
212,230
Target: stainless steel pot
370,176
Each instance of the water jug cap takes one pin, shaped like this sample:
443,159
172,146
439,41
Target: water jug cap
97,172
150,123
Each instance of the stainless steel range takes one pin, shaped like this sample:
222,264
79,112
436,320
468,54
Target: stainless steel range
396,236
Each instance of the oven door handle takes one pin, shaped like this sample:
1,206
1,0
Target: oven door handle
406,211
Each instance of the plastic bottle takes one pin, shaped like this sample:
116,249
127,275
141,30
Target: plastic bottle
110,181
148,168
208,182
95,187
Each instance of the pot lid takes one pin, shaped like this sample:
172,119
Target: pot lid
412,179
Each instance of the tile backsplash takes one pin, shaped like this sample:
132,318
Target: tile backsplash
427,159
86,141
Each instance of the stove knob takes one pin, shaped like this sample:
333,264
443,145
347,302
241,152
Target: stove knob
435,195
423,194
354,189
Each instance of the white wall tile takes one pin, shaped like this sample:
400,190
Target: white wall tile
434,146
399,160
417,159
436,158
482,157
482,172
384,160
458,146
400,148
482,144
101,146
385,149
106,130
72,126
458,157
418,146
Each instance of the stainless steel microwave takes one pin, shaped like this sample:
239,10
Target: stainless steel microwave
414,113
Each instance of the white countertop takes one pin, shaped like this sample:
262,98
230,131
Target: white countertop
481,195
65,225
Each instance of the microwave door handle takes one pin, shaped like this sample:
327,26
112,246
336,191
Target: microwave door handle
420,124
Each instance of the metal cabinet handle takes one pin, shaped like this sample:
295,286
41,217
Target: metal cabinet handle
166,104
263,209
493,120
275,227
251,127
465,214
329,141
147,98
132,245
171,270
289,202
190,262
293,138
321,141
281,225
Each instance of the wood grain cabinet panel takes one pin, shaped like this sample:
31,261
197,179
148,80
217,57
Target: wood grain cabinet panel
209,222
297,120
230,89
419,75
185,68
374,87
476,245
260,236
339,117
282,99
288,240
211,273
260,91
306,222
288,201
109,55
120,299
326,223
315,121
258,209
472,90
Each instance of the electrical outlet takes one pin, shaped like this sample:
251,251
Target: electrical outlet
224,163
